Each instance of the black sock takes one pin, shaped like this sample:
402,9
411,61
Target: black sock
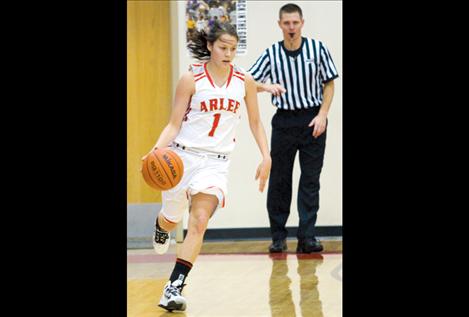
157,225
180,271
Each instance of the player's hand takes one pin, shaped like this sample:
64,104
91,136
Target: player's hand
319,122
275,89
145,156
263,171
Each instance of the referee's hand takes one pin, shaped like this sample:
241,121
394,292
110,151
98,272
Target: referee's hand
275,89
319,123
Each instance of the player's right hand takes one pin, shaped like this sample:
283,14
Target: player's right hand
145,156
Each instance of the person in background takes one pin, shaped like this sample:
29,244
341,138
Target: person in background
301,74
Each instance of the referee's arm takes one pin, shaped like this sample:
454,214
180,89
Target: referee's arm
328,93
274,89
319,123
260,73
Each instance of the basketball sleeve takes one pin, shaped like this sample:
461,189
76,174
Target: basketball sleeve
260,71
327,68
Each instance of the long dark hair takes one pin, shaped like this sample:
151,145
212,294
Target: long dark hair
198,44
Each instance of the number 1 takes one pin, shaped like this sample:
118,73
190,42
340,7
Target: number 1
215,124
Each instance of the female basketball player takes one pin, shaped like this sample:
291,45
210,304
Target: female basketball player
201,130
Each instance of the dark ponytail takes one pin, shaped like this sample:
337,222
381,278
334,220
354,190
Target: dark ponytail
198,44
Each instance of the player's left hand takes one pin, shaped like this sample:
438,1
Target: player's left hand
319,122
263,171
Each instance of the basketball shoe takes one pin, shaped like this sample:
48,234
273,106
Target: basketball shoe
172,298
160,240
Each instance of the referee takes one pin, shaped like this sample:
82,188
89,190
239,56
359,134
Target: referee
302,73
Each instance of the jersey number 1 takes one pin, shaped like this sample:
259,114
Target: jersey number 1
215,124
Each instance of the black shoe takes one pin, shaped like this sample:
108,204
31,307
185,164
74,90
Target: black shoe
308,246
278,246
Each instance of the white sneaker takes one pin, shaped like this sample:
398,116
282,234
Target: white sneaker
172,299
160,241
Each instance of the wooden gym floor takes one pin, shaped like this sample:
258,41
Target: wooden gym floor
240,278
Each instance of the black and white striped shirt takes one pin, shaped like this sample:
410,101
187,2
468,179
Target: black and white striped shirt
302,76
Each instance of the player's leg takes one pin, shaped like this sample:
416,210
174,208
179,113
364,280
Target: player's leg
165,224
175,203
202,208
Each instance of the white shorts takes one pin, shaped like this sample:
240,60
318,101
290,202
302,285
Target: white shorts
203,173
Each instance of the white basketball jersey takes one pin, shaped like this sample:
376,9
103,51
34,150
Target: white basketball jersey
213,112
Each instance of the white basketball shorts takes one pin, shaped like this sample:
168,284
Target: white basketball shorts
203,173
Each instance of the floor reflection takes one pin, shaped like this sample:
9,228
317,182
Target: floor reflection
280,292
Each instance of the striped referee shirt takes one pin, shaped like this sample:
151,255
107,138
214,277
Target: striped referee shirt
302,76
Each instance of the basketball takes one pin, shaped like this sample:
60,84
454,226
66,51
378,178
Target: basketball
162,169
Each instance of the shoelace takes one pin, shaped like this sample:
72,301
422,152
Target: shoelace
160,236
175,290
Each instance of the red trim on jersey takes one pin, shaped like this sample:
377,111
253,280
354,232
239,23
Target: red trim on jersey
199,78
208,75
238,73
229,76
188,106
187,110
202,73
197,64
222,192
238,77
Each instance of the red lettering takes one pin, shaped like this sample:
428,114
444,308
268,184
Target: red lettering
237,106
213,104
203,106
221,104
230,104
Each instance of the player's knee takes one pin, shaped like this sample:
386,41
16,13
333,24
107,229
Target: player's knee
199,224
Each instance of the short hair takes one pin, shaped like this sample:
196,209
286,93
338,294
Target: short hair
290,8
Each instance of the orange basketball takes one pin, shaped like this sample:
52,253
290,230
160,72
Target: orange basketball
162,169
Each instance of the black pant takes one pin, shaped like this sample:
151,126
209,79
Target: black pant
290,133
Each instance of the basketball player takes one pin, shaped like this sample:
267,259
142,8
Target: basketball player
202,131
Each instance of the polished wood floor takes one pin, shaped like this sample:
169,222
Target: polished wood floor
241,279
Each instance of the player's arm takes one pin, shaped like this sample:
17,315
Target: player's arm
184,90
257,130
